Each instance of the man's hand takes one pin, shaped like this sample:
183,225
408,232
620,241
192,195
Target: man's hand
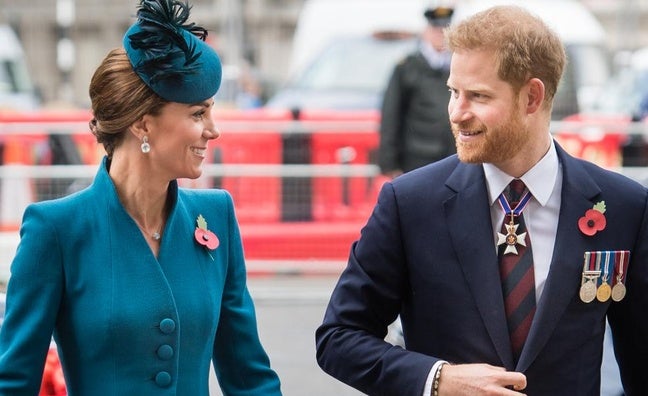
480,379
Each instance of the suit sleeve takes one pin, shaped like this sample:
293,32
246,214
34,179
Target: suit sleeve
628,319
241,364
367,298
33,298
392,113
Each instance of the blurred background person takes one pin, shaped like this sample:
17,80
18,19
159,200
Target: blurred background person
414,129
249,95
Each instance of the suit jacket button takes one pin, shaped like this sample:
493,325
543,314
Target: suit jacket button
167,326
165,352
163,379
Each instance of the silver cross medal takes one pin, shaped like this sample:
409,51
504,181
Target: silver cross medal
511,238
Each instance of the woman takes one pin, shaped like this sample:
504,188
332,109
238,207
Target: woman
140,282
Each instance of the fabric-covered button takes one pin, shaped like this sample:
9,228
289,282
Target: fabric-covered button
163,379
167,326
165,352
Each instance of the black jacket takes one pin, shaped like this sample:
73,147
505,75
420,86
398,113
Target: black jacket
415,129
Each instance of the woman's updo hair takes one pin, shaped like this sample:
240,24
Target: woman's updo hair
119,98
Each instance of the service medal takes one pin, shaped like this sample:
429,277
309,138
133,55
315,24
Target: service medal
603,292
587,291
622,258
591,273
618,292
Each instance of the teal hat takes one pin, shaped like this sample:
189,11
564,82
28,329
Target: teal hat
170,55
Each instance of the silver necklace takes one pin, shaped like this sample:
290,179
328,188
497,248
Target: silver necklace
156,235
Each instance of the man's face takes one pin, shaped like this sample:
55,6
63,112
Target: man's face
434,36
485,112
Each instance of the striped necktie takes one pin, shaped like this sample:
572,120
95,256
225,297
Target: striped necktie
516,269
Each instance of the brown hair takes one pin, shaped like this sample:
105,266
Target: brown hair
119,98
525,46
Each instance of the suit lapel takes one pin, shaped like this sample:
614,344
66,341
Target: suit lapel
579,191
468,214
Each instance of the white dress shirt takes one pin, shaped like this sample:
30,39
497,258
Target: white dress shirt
544,181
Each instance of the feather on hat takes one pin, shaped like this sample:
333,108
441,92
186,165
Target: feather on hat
170,55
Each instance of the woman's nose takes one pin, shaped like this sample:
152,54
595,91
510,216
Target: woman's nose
211,132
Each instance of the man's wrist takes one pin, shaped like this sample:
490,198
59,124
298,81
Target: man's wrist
437,380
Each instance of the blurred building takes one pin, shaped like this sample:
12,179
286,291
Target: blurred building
258,32
66,39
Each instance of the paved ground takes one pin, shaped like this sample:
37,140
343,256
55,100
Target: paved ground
289,309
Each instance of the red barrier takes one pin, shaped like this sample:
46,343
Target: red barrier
602,147
257,199
340,205
16,192
53,383
343,197
300,241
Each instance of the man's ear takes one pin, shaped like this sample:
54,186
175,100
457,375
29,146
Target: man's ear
535,95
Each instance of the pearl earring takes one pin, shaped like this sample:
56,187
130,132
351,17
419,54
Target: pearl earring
146,147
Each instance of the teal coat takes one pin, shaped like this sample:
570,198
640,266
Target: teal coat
126,323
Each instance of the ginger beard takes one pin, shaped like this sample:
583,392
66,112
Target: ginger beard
493,145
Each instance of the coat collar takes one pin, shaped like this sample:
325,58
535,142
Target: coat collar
121,223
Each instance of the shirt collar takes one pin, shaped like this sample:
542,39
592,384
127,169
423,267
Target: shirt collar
540,180
436,59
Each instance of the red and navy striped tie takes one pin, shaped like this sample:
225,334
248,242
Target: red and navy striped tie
518,281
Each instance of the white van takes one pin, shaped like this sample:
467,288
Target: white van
342,57
344,52
16,89
322,22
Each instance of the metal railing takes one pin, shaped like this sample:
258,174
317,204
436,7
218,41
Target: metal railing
302,189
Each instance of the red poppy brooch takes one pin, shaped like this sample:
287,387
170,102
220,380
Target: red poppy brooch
204,236
594,220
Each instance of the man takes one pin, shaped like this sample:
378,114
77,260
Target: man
414,129
435,252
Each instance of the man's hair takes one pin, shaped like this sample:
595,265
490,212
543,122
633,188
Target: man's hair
524,45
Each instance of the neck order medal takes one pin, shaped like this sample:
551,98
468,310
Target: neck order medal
512,238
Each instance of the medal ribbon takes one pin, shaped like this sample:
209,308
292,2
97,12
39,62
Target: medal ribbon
518,209
606,268
621,264
597,255
592,264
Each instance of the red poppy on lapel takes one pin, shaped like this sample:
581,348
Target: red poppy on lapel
594,220
204,236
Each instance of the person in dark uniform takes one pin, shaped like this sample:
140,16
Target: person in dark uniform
414,128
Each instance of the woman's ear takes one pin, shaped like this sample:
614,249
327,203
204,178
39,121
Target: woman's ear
535,95
139,128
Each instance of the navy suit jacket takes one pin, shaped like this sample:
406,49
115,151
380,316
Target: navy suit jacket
126,322
427,253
